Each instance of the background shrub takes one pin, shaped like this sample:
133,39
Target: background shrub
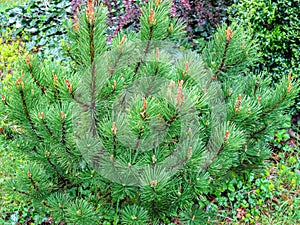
201,16
11,49
275,24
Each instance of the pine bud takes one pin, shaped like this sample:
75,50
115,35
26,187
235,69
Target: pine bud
19,80
190,151
69,85
171,27
62,115
238,103
187,67
90,11
23,73
55,78
27,60
226,135
143,113
122,42
154,159
240,97
157,2
180,96
42,115
289,87
114,85
111,70
290,77
47,153
151,19
129,165
258,98
153,183
245,148
29,175
230,91
204,90
3,98
76,23
114,128
228,34
60,205
133,217
79,212
112,159
157,53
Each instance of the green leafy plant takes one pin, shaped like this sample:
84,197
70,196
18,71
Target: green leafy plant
38,24
11,50
140,131
268,197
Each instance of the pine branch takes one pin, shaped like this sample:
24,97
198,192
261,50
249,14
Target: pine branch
36,81
33,183
146,50
138,141
273,108
62,177
92,55
72,57
112,71
93,73
48,128
63,136
25,107
221,67
56,94
259,131
181,162
115,144
218,152
79,102
23,192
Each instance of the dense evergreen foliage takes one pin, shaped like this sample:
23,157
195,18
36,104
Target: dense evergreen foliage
139,130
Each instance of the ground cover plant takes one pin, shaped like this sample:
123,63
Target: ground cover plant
39,24
63,176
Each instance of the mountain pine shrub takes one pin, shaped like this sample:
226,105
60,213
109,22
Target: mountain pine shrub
275,24
140,131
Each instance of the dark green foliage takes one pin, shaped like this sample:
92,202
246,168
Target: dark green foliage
87,131
201,17
276,25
